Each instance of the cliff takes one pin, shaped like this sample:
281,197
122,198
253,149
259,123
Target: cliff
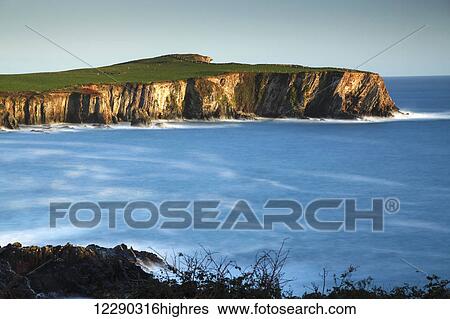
319,94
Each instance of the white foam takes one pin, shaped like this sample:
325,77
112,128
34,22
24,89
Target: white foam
155,125
60,127
406,115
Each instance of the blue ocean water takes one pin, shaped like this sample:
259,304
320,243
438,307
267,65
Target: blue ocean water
407,158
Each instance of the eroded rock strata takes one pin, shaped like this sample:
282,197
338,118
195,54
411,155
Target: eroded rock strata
322,94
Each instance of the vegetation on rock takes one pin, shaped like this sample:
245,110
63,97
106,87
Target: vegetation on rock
163,68
97,272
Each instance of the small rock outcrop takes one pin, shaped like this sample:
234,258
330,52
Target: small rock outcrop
191,57
72,271
7,120
140,118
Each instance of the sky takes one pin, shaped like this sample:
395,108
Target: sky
315,33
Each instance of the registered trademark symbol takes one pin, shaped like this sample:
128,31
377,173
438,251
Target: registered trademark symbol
392,205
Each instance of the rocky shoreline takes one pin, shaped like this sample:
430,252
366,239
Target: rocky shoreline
319,94
72,271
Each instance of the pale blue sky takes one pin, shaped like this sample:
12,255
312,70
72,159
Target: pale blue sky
315,33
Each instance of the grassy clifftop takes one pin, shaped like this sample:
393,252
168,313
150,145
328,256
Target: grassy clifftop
163,68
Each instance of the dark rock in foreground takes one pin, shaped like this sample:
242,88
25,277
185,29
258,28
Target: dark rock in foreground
95,272
71,271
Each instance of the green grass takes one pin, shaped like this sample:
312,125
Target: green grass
171,67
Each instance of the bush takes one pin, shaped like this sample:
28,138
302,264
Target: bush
204,274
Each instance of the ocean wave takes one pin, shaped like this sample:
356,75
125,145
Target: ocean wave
406,115
156,125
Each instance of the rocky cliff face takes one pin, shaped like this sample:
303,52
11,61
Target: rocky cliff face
332,94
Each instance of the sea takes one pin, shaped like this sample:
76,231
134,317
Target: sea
406,158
